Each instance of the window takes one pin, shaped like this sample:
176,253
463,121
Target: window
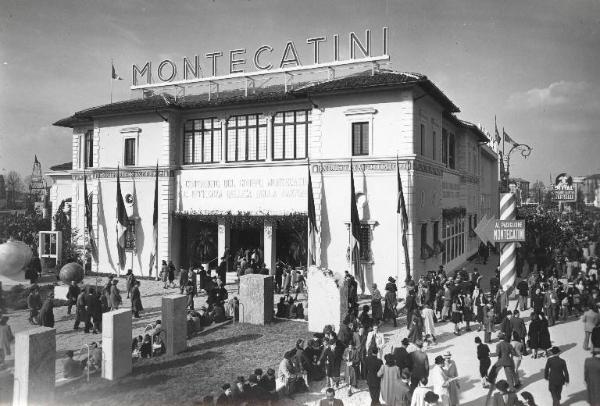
290,134
422,140
423,235
130,235
433,147
130,151
88,152
202,141
453,238
365,242
360,138
445,147
451,151
246,138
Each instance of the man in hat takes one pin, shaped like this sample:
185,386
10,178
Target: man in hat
556,374
373,364
401,356
225,398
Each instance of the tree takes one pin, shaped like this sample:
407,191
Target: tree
14,185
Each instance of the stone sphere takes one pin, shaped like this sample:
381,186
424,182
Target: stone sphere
71,272
14,257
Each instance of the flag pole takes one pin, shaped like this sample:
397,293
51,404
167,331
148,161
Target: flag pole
111,80
397,225
308,230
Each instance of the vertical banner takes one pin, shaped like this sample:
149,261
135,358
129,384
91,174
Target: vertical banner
508,252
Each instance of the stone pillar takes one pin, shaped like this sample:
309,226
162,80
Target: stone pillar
270,239
327,300
35,358
174,323
256,299
116,344
224,234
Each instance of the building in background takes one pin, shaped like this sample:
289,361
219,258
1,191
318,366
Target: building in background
233,174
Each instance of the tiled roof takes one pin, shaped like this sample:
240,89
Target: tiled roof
67,166
361,81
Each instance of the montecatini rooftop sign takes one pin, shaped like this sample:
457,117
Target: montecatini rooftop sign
264,59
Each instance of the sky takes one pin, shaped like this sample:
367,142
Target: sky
532,64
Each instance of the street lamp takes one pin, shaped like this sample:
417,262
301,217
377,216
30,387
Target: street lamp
525,152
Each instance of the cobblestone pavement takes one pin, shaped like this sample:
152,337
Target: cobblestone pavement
567,335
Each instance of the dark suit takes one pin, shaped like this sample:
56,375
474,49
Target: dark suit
420,368
498,400
591,372
373,364
557,375
505,352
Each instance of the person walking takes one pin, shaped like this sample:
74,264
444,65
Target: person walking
81,312
556,374
523,289
352,361
505,353
115,296
373,365
428,321
483,355
34,303
534,333
171,273
129,281
164,273
375,339
390,382
591,372
451,372
416,329
590,318
439,380
518,326
420,365
376,308
136,299
47,312
72,294
518,357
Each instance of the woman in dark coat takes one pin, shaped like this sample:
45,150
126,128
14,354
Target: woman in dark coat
391,301
416,329
47,312
457,315
376,303
535,328
545,341
136,299
171,273
333,356
480,302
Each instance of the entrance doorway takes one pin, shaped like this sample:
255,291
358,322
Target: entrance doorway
199,244
246,238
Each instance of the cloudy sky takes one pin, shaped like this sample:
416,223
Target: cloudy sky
532,64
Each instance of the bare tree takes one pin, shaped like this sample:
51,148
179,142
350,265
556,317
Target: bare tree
14,185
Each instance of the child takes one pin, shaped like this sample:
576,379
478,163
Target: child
352,360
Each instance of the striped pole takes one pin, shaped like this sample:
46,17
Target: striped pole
508,252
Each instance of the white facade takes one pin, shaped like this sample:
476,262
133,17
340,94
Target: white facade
408,123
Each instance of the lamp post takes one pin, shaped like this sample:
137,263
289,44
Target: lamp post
525,152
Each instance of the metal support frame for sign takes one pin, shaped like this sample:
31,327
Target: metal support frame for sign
525,152
285,80
246,80
179,92
210,83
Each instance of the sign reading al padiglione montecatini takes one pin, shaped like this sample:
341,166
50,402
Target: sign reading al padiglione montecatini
265,59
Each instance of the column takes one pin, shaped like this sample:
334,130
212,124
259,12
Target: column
224,233
269,118
35,358
116,344
223,140
270,238
174,323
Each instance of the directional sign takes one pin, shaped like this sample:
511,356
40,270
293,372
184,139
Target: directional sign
509,230
485,229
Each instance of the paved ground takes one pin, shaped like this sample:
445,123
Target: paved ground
568,336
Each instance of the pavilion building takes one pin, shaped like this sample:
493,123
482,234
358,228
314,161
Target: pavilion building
233,173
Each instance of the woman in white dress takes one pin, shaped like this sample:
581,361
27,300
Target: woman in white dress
439,380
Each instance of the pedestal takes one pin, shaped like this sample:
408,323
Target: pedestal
327,300
35,358
116,344
256,299
270,236
174,323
